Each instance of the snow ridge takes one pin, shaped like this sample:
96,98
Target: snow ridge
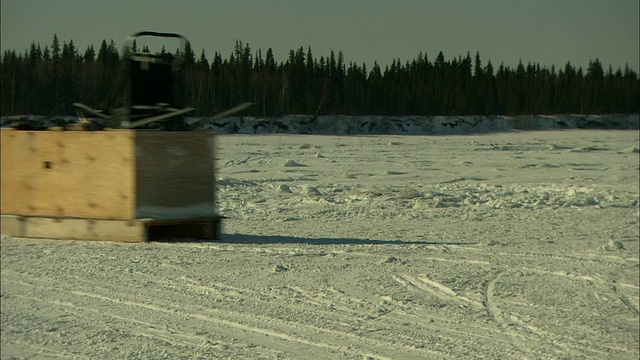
416,125
380,125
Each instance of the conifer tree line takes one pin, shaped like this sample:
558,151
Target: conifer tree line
48,81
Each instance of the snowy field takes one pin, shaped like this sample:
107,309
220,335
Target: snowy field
507,245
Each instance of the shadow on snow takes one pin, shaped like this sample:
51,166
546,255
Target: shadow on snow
276,239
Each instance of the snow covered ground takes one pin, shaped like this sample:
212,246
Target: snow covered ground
511,244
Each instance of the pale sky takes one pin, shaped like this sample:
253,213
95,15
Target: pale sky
547,32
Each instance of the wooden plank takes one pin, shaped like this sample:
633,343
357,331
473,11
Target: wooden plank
12,225
109,230
175,174
76,229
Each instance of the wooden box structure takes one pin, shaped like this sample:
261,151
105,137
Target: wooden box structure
116,185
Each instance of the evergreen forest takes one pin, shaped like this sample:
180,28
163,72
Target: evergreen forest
48,81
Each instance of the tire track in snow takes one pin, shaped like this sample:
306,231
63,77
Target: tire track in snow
245,324
507,318
47,352
269,298
138,327
153,330
420,320
487,334
625,300
577,258
189,340
489,302
348,312
159,333
435,288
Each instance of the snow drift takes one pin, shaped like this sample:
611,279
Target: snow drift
417,125
386,125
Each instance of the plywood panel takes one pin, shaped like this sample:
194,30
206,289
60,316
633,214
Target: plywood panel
20,166
175,174
11,173
68,173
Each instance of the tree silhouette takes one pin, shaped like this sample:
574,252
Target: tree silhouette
47,81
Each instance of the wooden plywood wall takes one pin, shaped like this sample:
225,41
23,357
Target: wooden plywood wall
68,173
175,174
116,174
